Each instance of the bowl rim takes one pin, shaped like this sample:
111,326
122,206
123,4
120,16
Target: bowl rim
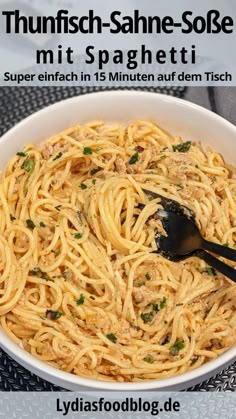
34,364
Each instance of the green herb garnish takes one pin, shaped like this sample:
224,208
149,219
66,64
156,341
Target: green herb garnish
147,317
29,165
139,284
30,224
83,186
134,158
226,244
147,276
210,271
178,345
41,224
92,298
35,271
155,308
38,272
80,300
22,154
94,171
78,236
163,302
87,151
149,359
180,186
111,337
194,360
163,156
58,207
183,147
57,156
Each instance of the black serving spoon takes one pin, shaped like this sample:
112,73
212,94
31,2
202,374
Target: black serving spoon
184,238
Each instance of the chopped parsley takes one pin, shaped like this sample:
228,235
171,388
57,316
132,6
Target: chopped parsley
53,315
163,302
57,156
111,337
80,300
92,298
134,158
29,165
226,244
183,147
41,224
155,308
30,224
87,151
21,154
93,181
163,156
149,359
38,272
165,321
139,284
96,170
196,165
83,186
58,207
180,186
210,271
194,360
178,345
147,317
148,276
78,236
35,271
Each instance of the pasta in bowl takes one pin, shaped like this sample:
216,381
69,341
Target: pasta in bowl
89,296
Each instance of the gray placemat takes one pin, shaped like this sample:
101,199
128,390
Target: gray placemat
15,105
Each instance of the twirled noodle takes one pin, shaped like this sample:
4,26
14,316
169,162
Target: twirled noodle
80,287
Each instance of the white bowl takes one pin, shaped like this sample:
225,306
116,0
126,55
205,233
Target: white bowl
179,117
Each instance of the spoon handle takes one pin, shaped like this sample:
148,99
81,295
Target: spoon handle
218,265
224,251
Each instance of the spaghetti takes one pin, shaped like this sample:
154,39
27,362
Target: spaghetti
80,287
